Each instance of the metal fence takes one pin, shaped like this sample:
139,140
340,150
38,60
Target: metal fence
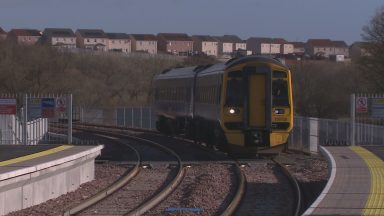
11,130
35,119
334,132
307,133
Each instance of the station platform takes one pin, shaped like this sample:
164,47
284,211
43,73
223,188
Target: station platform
30,175
356,182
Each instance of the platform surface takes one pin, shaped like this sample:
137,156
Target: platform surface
356,183
16,160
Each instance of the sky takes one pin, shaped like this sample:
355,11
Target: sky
293,20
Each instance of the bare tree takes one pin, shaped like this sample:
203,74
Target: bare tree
373,64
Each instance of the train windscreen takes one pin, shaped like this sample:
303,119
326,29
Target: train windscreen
235,92
280,92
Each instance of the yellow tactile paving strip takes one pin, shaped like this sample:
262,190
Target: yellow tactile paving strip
375,202
35,155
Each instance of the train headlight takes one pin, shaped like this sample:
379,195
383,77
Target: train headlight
233,110
279,111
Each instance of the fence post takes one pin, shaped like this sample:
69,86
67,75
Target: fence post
150,118
313,134
69,115
25,119
132,122
141,117
353,118
124,125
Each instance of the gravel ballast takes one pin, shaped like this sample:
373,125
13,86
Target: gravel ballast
105,174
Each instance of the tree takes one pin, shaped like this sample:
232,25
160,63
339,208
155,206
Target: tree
373,64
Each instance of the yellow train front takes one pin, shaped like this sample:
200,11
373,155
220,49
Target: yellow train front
243,105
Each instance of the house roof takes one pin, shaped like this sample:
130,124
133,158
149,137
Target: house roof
174,36
2,31
92,33
298,44
279,41
58,32
117,35
204,38
259,40
341,44
144,37
360,44
25,32
320,43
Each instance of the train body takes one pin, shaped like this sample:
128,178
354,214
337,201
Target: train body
242,105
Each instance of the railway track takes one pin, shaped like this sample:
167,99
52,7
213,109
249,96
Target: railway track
287,181
101,203
268,189
232,200
271,190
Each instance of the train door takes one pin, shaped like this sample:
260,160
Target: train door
258,105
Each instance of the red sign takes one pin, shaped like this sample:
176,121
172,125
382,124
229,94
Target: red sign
361,105
61,104
7,106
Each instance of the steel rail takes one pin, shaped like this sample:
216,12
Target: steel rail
236,201
123,180
155,200
295,186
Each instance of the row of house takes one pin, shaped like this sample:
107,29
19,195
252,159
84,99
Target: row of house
174,43
97,39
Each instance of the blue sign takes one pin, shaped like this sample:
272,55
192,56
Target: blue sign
377,107
48,107
34,108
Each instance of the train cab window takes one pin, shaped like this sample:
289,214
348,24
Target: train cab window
234,92
280,92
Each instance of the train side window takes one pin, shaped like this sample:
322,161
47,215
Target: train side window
234,92
218,94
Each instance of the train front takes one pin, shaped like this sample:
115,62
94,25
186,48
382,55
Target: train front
257,110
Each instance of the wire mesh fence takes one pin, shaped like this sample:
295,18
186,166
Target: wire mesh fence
307,133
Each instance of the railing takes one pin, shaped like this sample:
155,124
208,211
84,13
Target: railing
307,134
11,130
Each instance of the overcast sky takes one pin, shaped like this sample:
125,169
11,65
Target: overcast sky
294,20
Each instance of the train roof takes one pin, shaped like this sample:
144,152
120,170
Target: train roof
188,72
216,68
184,72
236,61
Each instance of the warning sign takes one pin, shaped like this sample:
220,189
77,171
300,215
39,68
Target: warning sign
7,106
361,105
61,104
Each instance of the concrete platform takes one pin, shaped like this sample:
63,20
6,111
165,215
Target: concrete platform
30,175
356,183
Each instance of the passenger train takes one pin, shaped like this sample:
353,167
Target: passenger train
243,105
